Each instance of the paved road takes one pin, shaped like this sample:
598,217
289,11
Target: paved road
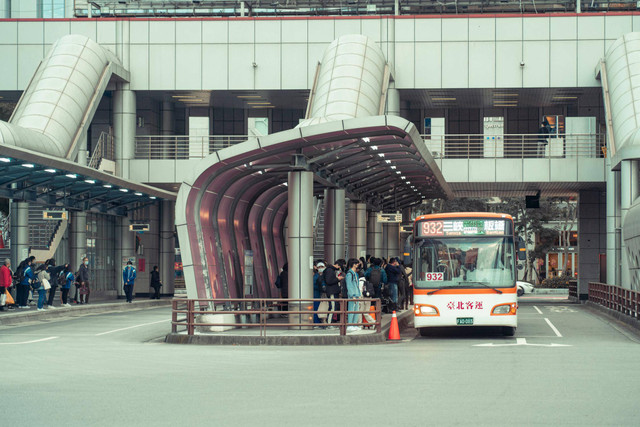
113,369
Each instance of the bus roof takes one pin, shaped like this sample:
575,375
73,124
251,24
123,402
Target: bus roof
464,215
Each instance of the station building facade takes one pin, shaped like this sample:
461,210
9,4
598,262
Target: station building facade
476,87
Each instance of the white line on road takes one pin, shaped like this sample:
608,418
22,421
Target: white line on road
28,342
131,327
553,327
537,309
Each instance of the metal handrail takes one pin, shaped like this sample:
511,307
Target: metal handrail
160,147
450,146
518,146
616,298
264,308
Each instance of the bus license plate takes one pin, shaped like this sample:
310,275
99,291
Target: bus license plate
464,321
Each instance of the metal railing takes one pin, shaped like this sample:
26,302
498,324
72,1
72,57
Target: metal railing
104,149
255,313
518,146
158,147
473,146
616,298
573,288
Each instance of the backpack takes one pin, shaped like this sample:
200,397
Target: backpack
329,276
375,277
62,278
368,290
19,274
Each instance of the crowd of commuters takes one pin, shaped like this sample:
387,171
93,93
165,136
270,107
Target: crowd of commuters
19,286
356,280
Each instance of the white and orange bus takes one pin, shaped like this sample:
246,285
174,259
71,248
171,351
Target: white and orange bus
465,271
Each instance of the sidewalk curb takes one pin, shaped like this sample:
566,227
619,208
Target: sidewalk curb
22,316
182,338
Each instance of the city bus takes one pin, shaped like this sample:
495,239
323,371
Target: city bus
465,271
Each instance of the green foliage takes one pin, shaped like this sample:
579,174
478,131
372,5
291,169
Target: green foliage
556,282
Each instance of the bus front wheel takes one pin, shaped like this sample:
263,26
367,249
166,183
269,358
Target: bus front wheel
508,331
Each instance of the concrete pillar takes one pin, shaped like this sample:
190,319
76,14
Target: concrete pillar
125,248
592,238
167,247
613,225
124,127
393,102
374,236
77,238
333,224
300,249
167,114
357,230
628,193
19,232
393,240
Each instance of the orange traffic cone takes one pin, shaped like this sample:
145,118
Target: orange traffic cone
394,332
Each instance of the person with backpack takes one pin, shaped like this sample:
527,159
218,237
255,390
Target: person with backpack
6,280
319,291
55,273
353,293
394,272
129,279
69,278
331,278
376,276
24,277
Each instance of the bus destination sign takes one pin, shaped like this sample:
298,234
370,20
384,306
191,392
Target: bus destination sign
463,227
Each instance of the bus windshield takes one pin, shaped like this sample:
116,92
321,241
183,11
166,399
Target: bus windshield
464,262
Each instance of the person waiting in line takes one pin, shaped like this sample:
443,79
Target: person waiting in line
55,272
377,276
155,283
319,292
6,280
331,277
43,278
283,281
353,293
393,274
82,285
129,279
26,277
543,138
69,279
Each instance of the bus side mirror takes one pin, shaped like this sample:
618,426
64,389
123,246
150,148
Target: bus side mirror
521,247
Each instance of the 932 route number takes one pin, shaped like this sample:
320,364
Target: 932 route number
434,277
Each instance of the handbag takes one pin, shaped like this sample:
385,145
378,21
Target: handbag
323,306
46,284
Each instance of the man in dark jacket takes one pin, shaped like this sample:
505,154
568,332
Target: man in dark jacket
331,277
82,284
394,272
54,272
155,283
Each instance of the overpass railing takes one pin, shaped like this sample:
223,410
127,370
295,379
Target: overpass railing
472,146
174,147
189,314
616,298
515,146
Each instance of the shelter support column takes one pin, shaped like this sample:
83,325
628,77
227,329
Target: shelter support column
592,238
167,247
19,232
392,230
357,230
300,220
125,248
628,193
374,235
333,224
78,239
124,127
614,239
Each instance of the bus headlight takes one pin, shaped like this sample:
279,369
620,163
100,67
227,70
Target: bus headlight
425,310
504,309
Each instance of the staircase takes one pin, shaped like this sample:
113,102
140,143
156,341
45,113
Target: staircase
318,231
44,235
5,229
103,154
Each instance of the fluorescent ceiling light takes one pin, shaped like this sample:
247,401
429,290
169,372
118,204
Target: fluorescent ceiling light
124,190
565,97
138,194
50,170
366,139
259,103
28,165
108,186
263,106
71,175
443,99
184,96
249,96
90,181
152,197
4,160
505,94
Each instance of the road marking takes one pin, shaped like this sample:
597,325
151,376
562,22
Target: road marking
131,327
560,309
28,342
553,327
537,309
520,341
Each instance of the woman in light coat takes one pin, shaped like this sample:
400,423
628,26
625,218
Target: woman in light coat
43,275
